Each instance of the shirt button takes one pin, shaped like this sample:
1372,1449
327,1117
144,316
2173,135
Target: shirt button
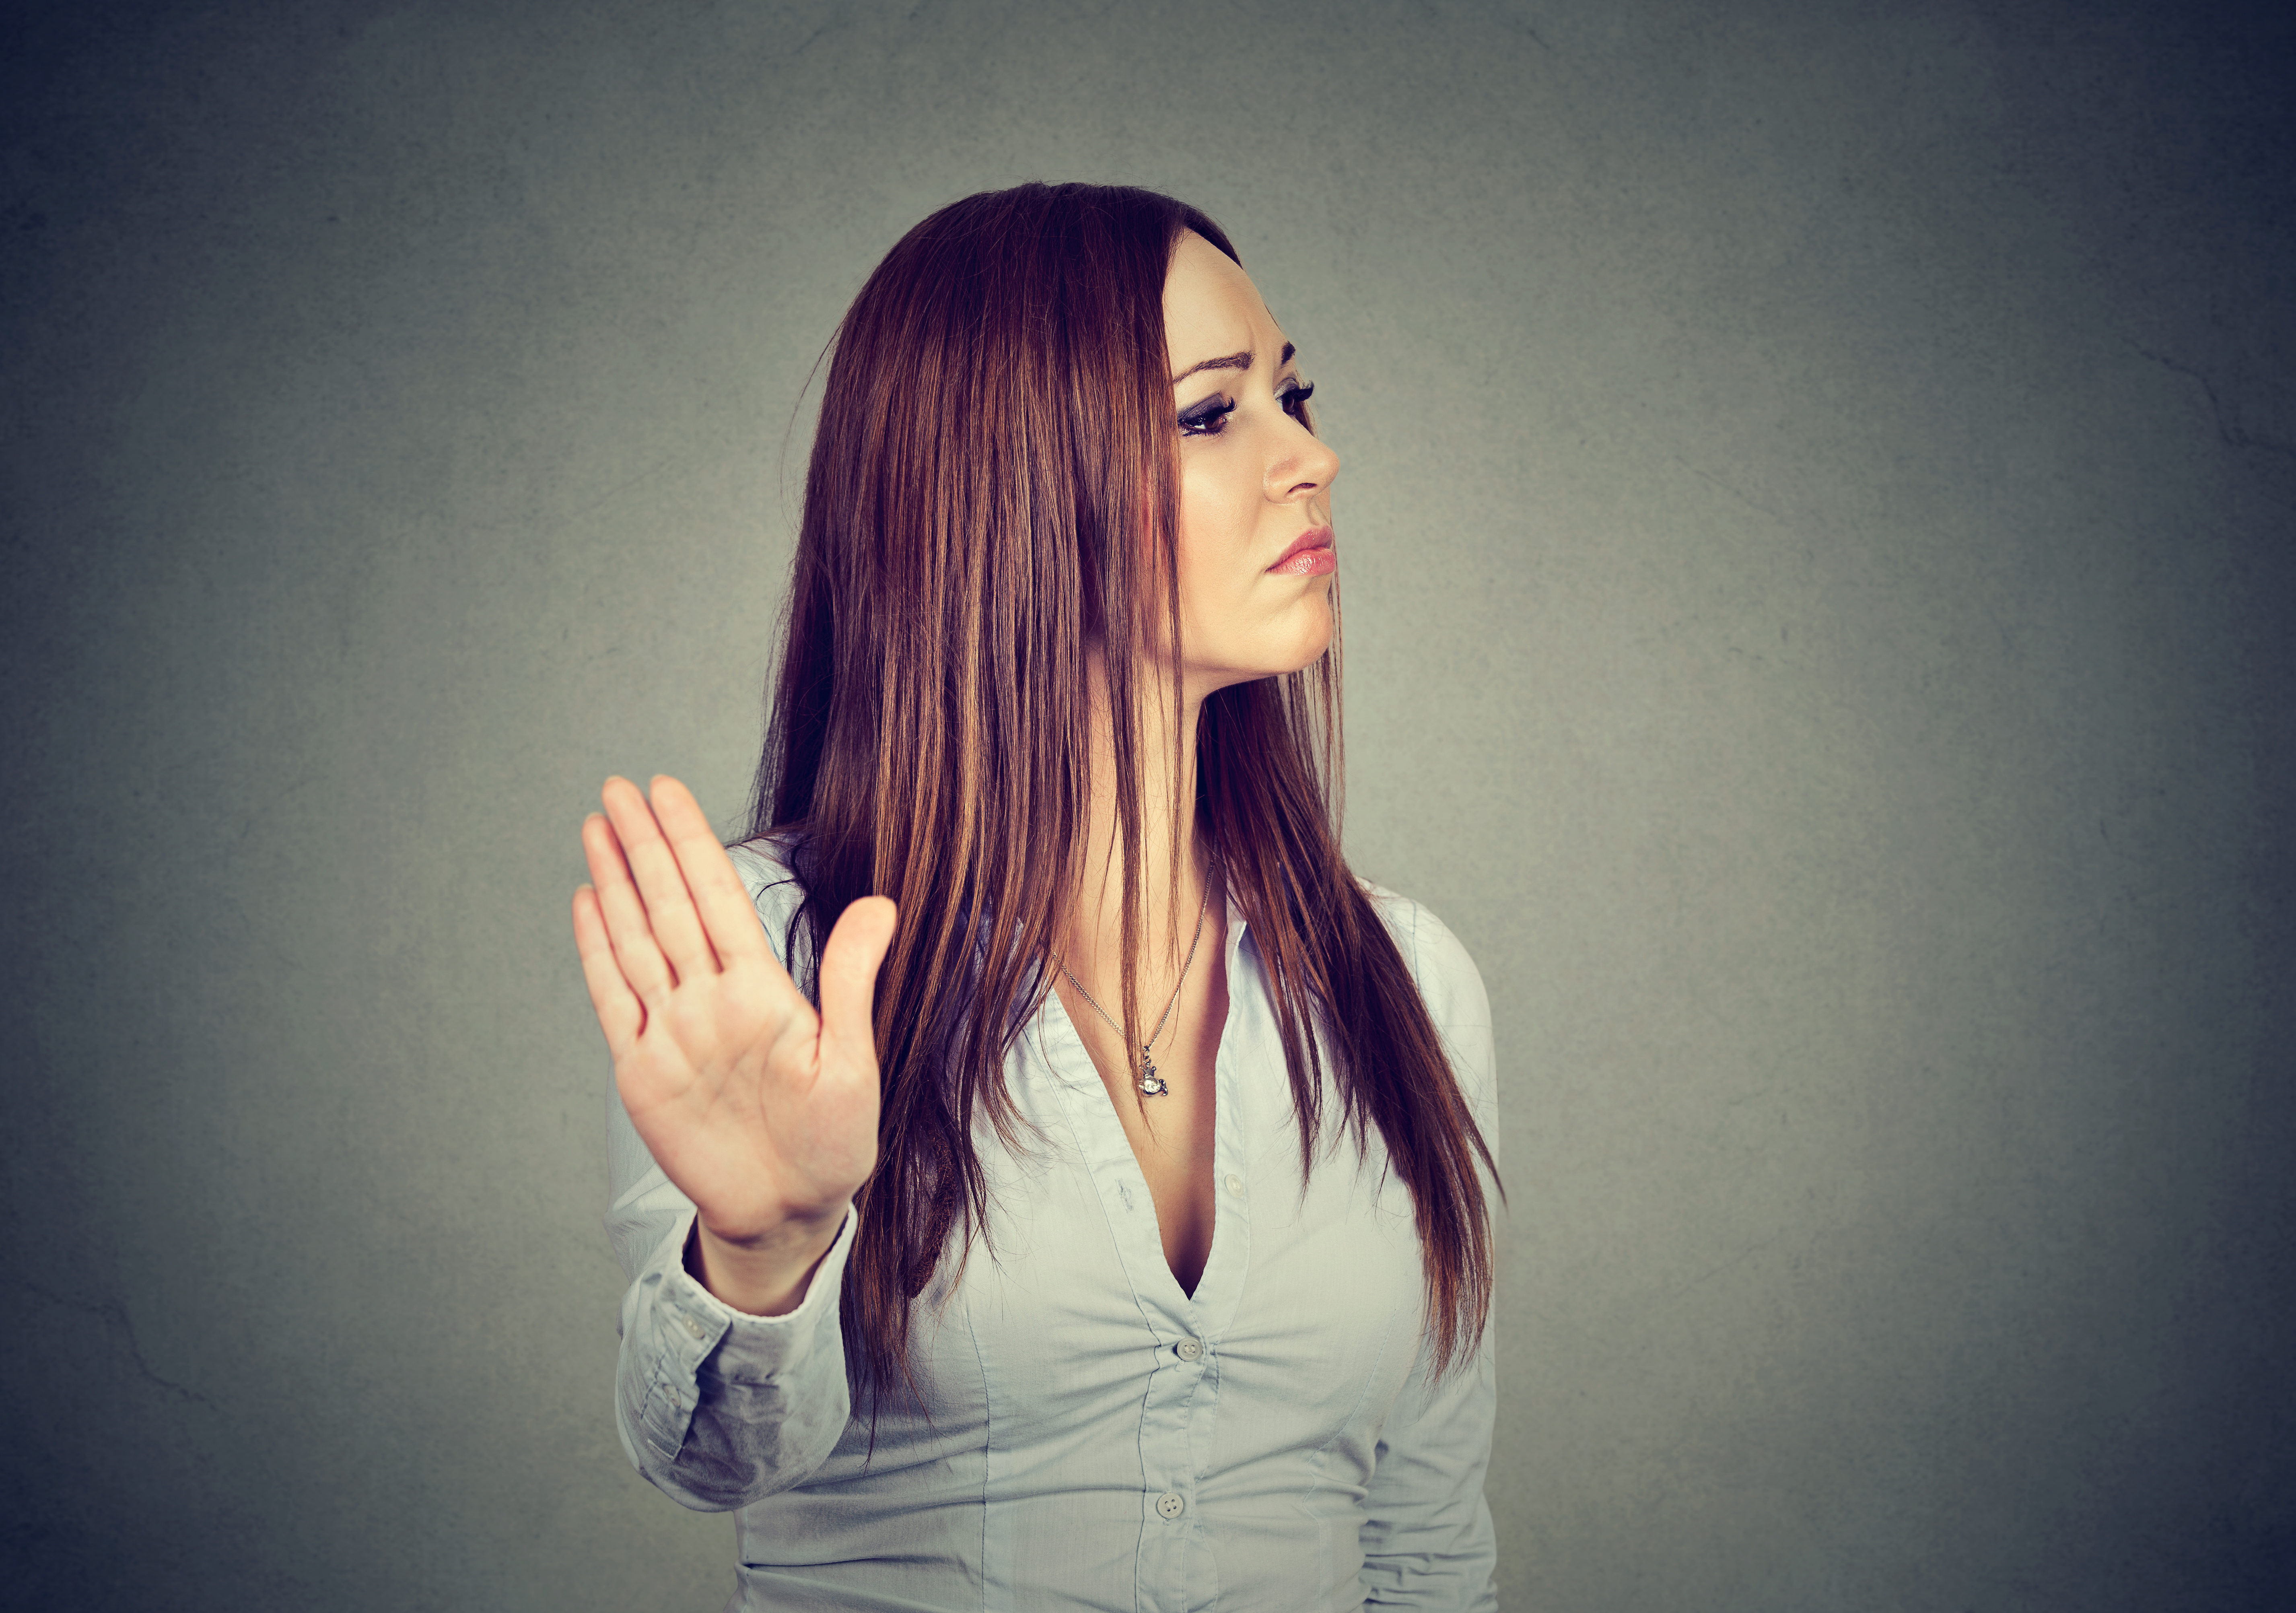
1169,1506
1235,1184
694,1327
1188,1350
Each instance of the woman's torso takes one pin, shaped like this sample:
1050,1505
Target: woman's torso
1091,1436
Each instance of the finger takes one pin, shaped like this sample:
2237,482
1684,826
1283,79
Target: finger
668,905
729,919
848,979
621,1015
627,926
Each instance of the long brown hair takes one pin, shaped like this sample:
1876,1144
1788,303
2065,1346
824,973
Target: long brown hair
992,497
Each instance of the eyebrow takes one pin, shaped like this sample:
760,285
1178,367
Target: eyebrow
1232,360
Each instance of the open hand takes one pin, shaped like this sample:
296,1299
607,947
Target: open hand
762,1111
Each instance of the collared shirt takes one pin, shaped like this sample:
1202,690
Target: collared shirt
1093,1437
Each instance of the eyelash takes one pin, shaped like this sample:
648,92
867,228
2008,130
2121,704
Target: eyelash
1210,418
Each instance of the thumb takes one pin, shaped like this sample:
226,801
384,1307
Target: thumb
849,973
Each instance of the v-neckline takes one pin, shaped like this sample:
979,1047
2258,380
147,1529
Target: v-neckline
1114,1165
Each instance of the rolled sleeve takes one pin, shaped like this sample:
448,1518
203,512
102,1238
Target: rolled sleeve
720,1408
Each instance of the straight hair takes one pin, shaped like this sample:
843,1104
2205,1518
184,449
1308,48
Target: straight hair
992,498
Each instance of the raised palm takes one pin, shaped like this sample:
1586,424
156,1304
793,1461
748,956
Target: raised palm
760,1110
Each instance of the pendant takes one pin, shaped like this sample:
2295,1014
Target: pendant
1152,1084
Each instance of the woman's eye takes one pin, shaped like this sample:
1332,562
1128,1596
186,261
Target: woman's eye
1206,418
1209,417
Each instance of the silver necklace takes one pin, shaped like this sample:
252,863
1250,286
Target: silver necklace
1150,1084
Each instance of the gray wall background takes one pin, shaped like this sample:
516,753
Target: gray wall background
1817,511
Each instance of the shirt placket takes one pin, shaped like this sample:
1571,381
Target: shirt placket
1175,1572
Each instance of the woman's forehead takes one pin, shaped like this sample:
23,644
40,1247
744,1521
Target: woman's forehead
1211,308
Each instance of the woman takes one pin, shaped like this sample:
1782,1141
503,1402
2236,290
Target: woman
1048,1177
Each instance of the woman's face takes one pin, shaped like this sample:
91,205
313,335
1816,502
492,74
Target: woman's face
1254,480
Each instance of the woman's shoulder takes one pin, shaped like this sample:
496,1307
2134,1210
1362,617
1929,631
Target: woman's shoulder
1439,960
1450,983
1451,987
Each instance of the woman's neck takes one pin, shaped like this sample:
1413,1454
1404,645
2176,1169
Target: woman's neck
1092,934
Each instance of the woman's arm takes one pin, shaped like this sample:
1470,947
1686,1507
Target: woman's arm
1427,1537
744,1121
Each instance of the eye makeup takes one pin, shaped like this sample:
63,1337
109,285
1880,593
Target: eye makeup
1206,419
1209,417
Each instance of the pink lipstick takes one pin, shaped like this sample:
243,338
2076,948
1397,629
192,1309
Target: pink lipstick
1311,554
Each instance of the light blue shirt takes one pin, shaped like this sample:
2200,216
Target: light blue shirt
1093,1437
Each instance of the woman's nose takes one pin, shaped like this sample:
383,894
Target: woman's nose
1307,469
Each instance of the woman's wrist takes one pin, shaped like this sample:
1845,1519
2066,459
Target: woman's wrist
767,1275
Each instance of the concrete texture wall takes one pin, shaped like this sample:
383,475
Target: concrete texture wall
1817,516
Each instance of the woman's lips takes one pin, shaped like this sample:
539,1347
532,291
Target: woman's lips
1310,555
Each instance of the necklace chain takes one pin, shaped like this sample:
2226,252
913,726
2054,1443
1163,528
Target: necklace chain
1150,1084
